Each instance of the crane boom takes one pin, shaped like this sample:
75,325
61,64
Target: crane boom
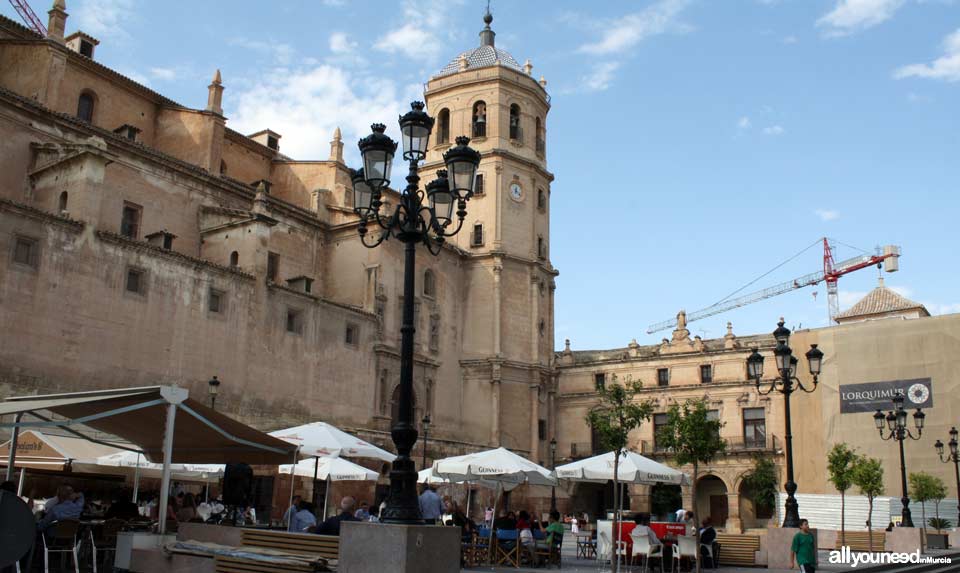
830,274
28,16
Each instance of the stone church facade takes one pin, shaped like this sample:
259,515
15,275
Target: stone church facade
146,243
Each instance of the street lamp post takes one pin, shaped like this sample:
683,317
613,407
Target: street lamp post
213,388
786,383
953,456
419,217
553,466
426,432
897,426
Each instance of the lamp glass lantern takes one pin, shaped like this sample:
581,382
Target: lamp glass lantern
362,193
213,386
814,359
415,128
755,365
441,199
918,418
793,367
939,447
462,162
891,421
878,418
782,355
953,446
377,150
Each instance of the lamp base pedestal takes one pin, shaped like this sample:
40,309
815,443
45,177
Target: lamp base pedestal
377,547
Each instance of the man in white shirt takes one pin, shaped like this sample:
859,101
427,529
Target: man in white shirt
681,514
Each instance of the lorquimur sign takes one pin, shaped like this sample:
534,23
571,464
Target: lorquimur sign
873,396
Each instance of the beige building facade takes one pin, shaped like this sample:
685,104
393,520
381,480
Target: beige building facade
148,243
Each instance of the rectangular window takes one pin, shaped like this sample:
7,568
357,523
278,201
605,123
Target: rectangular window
599,380
273,142
476,239
294,321
136,281
273,267
706,373
352,335
215,300
541,250
478,186
754,428
663,377
86,48
130,220
26,251
714,416
541,430
659,422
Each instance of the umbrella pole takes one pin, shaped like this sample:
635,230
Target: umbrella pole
326,496
167,458
293,474
316,466
136,479
23,478
12,456
493,520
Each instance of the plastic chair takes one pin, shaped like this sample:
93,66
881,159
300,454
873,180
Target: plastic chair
704,548
622,553
549,553
643,548
61,537
507,548
686,547
106,541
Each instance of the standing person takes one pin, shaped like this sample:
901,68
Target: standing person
574,524
802,549
291,511
690,523
488,516
430,506
681,515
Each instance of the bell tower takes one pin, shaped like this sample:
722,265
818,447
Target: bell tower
485,94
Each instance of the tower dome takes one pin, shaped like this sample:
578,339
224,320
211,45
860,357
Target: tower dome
486,54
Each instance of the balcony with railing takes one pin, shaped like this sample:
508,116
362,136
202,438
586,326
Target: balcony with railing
736,445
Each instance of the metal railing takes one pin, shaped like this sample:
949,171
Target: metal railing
735,444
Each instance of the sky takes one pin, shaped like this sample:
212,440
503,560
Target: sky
696,144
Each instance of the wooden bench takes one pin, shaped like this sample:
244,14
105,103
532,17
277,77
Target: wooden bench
860,540
737,549
326,546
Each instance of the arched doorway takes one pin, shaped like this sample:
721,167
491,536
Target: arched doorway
712,500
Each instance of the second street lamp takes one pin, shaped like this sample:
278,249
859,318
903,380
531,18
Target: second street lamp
896,420
213,388
786,383
951,457
553,466
419,217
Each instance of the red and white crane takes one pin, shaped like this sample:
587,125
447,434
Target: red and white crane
29,16
887,257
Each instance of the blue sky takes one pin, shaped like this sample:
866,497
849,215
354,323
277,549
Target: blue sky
696,144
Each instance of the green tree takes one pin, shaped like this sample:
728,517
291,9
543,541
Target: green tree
925,487
760,483
619,413
693,438
867,475
840,462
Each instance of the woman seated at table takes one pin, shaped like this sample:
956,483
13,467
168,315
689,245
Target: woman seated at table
526,535
643,528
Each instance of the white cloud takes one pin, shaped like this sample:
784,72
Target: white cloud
341,44
306,105
278,52
789,40
744,123
827,214
774,130
420,35
103,19
166,74
946,67
600,77
850,16
626,32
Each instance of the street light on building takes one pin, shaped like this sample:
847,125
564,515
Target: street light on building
553,466
419,217
786,383
213,388
951,457
896,420
426,429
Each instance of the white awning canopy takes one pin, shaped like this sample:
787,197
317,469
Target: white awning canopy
334,469
497,465
633,468
323,440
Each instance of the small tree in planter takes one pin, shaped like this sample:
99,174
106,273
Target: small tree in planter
867,475
618,414
925,487
693,438
761,483
840,462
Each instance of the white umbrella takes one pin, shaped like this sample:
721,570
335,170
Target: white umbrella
633,468
321,440
330,470
141,467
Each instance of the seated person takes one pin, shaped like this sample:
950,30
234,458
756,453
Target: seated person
332,525
554,528
506,521
67,505
708,535
643,528
122,507
303,518
458,518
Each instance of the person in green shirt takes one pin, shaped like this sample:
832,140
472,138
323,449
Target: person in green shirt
555,527
802,550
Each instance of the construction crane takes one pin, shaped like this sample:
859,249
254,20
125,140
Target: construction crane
887,257
28,16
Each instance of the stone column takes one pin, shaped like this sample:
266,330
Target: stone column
495,406
497,271
534,320
734,523
534,422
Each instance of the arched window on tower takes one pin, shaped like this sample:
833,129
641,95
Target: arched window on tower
480,119
515,131
223,167
429,284
85,105
234,259
443,126
541,138
62,206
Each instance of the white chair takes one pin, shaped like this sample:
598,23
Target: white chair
686,547
606,542
61,537
643,548
708,549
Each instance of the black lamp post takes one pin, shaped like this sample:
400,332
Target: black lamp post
897,426
553,466
419,217
213,388
426,433
786,383
951,457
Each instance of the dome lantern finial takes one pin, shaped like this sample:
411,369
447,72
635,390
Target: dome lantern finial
487,35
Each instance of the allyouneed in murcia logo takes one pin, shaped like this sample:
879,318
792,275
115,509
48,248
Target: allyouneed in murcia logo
845,556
